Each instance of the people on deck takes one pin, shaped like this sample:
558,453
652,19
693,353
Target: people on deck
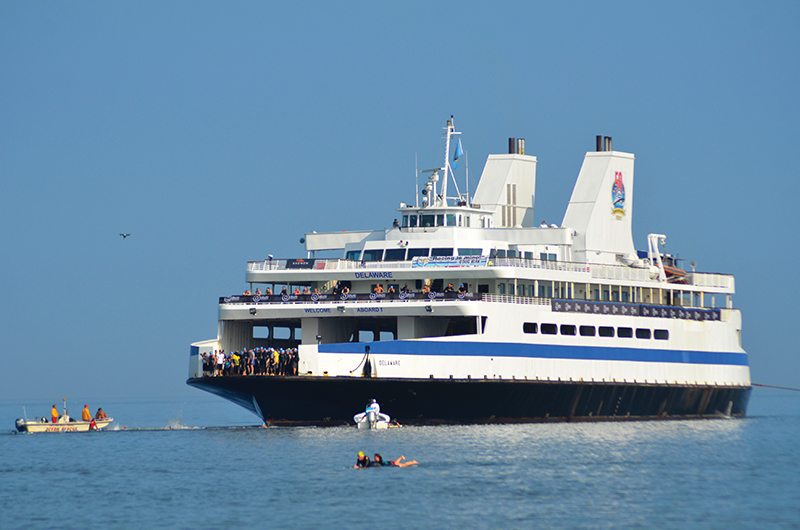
86,414
251,361
101,414
54,413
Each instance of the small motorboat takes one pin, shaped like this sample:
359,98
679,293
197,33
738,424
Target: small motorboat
64,424
372,420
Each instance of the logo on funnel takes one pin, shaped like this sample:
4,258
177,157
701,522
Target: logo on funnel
618,196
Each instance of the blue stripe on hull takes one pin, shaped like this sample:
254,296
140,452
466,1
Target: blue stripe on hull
538,351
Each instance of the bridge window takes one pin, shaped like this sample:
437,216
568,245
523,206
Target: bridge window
469,252
530,327
352,255
426,220
440,219
642,333
587,331
417,252
605,331
624,333
395,254
373,255
442,252
661,334
549,329
545,256
451,219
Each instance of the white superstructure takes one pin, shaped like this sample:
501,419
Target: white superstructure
527,301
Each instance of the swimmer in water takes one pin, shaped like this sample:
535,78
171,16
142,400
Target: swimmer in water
398,462
362,461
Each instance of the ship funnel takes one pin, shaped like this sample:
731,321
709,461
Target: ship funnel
598,143
512,145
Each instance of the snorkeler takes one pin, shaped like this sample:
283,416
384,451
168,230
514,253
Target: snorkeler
398,462
362,461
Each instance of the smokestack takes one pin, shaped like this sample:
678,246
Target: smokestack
512,145
610,144
598,143
520,146
606,143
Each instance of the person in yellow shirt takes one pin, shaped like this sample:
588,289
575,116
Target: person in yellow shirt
86,414
54,413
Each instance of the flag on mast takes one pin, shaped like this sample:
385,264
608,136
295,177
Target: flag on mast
458,154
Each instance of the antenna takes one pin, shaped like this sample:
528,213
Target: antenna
466,156
416,181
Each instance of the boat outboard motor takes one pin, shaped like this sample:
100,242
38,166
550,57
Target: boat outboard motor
373,410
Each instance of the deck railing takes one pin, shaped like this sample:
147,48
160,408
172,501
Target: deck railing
594,270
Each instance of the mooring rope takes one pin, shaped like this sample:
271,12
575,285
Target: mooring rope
777,387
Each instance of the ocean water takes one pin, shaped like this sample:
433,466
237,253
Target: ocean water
216,469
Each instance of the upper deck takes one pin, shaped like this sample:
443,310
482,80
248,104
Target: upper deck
301,271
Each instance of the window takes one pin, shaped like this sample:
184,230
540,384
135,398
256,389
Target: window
373,255
412,220
469,252
451,219
567,329
405,221
426,220
440,220
260,332
417,252
352,255
501,253
281,332
544,256
587,331
395,254
528,255
442,252
642,333
530,327
549,329
606,331
511,253
624,333
661,334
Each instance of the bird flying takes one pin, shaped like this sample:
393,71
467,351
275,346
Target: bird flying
124,236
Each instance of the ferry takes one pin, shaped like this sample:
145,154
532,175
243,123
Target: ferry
466,310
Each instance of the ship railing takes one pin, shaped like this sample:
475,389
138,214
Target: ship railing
345,298
620,272
457,262
511,299
595,270
711,279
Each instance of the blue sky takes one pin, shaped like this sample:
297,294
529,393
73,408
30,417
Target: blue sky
217,132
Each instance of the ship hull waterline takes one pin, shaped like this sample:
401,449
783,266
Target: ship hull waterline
315,400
